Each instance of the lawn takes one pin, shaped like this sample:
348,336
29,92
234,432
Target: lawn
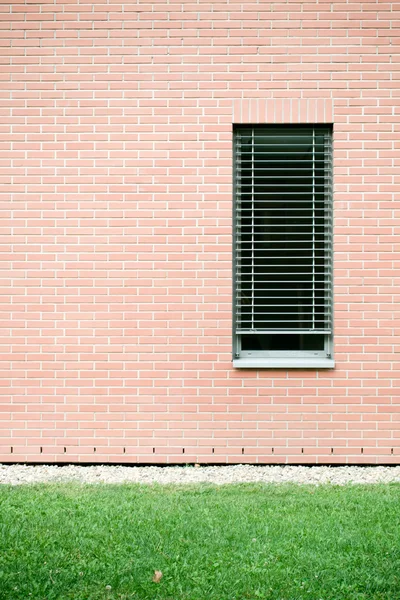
210,543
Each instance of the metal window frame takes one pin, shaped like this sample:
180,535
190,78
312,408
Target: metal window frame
297,358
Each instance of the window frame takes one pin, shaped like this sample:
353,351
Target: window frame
254,358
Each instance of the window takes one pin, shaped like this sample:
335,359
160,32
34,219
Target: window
283,246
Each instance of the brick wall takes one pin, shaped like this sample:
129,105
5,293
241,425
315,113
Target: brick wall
116,185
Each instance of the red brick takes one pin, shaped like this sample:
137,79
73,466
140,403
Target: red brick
115,196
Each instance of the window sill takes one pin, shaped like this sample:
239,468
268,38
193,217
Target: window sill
284,363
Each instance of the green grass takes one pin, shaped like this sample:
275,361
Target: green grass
211,543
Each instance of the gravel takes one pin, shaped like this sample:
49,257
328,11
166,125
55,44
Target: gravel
27,474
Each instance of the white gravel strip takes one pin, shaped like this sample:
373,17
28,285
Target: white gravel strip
23,474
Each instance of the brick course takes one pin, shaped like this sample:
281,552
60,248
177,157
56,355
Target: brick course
115,198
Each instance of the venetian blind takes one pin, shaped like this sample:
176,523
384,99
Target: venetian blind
283,229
